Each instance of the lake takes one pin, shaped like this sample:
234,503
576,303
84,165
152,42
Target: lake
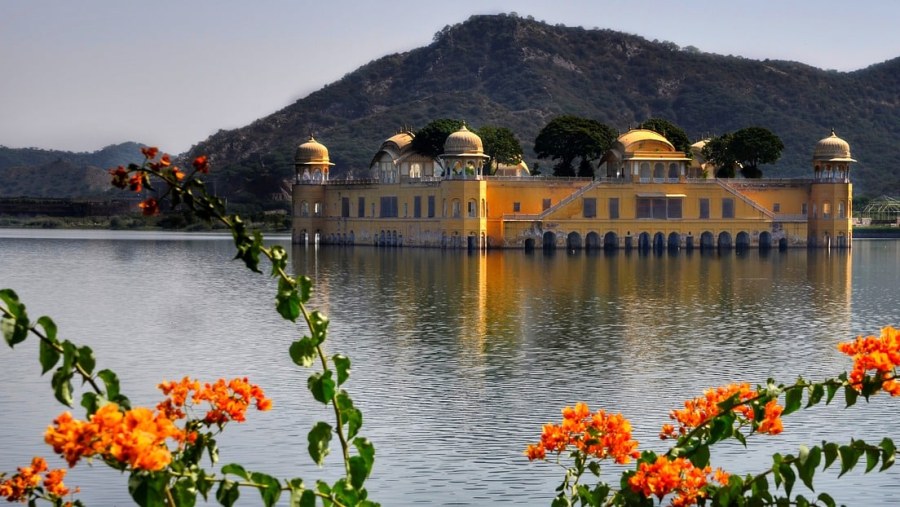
458,358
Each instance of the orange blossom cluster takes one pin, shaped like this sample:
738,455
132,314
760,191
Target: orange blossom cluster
121,177
703,408
599,434
136,437
19,487
880,354
228,401
678,476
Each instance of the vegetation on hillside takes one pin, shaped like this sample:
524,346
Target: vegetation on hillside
518,73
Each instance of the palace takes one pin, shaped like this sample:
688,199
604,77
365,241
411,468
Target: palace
645,194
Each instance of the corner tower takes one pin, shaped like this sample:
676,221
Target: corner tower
831,194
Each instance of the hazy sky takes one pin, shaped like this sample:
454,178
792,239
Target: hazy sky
80,75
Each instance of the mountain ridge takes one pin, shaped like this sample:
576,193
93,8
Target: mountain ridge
519,73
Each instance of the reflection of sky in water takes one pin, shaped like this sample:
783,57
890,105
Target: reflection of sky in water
458,359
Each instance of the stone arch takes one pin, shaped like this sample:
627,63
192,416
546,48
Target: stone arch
706,240
529,245
549,240
644,241
573,241
592,241
610,241
782,244
659,171
742,241
659,241
724,241
765,240
674,241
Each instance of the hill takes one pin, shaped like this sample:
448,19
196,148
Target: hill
33,172
519,73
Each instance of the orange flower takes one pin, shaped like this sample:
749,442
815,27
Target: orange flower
678,476
120,177
150,152
20,487
771,422
149,207
878,354
600,435
136,437
703,408
229,401
201,164
137,181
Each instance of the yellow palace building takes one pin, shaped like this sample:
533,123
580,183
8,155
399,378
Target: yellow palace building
645,194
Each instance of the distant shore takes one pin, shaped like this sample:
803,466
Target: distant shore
876,232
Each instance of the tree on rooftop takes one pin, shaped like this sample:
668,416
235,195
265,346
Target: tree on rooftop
747,148
675,134
568,137
429,140
501,144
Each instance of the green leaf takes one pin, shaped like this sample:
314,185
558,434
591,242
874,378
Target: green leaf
806,466
86,359
185,493
91,402
306,498
147,490
318,325
303,352
322,386
62,386
204,484
831,453
48,353
827,500
304,286
832,388
342,366
278,255
815,395
722,427
700,456
111,381
235,469
787,475
872,457
888,452
319,439
850,395
350,416
849,457
366,450
228,493
272,490
15,326
792,400
287,300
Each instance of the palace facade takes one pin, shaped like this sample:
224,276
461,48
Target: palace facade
645,194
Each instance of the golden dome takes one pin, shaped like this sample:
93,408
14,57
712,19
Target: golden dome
312,153
636,136
400,139
832,149
463,142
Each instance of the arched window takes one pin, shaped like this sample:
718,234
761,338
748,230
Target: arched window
673,171
472,209
455,208
659,170
304,209
826,210
645,171
842,212
317,209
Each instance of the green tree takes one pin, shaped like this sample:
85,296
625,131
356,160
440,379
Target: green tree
747,148
718,151
675,134
429,140
501,144
567,137
754,146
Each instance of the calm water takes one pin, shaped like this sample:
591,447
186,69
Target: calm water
458,359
